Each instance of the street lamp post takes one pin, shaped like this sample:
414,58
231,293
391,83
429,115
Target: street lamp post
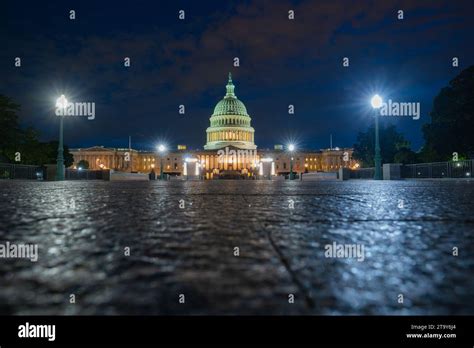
291,148
61,103
376,104
161,150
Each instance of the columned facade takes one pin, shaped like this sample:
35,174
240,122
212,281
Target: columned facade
212,163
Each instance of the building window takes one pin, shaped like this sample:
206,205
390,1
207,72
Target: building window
284,165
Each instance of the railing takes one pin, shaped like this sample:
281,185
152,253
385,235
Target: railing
362,173
85,174
20,171
458,169
435,170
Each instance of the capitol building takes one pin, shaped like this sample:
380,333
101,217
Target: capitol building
229,152
230,124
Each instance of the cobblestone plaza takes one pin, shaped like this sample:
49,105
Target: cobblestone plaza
182,237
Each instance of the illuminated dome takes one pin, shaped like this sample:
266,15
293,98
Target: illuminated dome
230,105
230,123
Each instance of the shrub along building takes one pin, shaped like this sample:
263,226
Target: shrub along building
230,151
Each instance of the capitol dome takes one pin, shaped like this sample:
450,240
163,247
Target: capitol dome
230,105
230,123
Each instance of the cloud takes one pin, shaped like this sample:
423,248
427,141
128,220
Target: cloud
187,62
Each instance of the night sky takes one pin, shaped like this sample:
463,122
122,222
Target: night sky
186,62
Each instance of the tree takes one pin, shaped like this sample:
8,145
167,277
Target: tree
9,128
14,139
452,120
49,153
393,145
83,164
406,156
29,147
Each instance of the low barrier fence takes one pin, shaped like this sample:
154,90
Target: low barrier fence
362,173
458,169
20,171
435,170
455,169
86,174
32,172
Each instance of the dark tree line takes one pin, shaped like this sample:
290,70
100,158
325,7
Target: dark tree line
452,120
450,130
23,143
393,146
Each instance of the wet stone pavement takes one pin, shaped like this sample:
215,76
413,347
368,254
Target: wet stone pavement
408,230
